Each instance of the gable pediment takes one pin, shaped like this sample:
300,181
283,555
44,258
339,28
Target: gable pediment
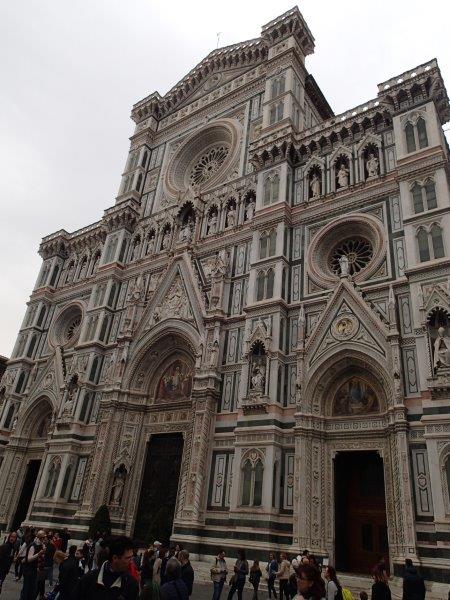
177,297
348,321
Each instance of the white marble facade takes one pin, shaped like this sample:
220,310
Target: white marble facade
279,253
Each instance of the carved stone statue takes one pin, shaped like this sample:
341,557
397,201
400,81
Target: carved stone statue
220,265
214,353
250,210
118,485
165,243
150,245
372,165
342,176
441,350
344,266
315,186
186,230
212,224
231,217
258,378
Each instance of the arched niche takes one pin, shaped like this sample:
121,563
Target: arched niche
35,422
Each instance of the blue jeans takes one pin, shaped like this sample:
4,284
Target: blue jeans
218,585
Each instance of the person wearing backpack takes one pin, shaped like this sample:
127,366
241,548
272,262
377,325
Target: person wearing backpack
332,586
218,574
34,558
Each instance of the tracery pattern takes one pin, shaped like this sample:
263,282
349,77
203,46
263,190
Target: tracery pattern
358,251
208,165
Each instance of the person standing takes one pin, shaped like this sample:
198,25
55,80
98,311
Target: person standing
380,587
34,558
113,579
240,573
69,574
272,568
332,585
413,584
65,537
148,560
174,588
48,560
283,576
255,578
187,572
8,551
218,574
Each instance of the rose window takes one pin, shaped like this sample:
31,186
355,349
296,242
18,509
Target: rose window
73,328
208,165
358,251
66,329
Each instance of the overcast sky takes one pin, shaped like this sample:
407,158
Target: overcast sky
71,70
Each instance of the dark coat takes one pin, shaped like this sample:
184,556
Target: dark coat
87,588
174,590
413,585
381,591
68,577
187,575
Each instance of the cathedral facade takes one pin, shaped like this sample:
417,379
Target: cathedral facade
252,346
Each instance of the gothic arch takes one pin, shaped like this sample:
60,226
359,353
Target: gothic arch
185,341
30,421
331,371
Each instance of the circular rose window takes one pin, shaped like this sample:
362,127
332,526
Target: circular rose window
358,237
358,252
205,158
66,329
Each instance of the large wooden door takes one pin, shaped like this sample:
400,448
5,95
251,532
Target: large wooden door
360,511
159,490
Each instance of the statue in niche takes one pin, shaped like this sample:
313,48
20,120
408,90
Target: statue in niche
441,349
150,245
342,176
231,217
214,353
314,184
372,165
344,265
220,265
250,210
258,378
120,475
136,250
212,223
355,397
186,230
165,243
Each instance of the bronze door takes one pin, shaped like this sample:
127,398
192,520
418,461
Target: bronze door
159,490
360,511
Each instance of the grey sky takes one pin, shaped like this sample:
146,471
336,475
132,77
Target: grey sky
71,71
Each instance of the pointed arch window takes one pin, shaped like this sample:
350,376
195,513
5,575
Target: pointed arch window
267,243
52,477
260,284
424,251
252,483
67,480
430,194
447,474
410,138
422,133
270,283
437,241
416,191
54,279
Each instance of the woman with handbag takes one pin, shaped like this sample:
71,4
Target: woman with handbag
237,582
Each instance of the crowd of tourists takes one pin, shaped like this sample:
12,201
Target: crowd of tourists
111,568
